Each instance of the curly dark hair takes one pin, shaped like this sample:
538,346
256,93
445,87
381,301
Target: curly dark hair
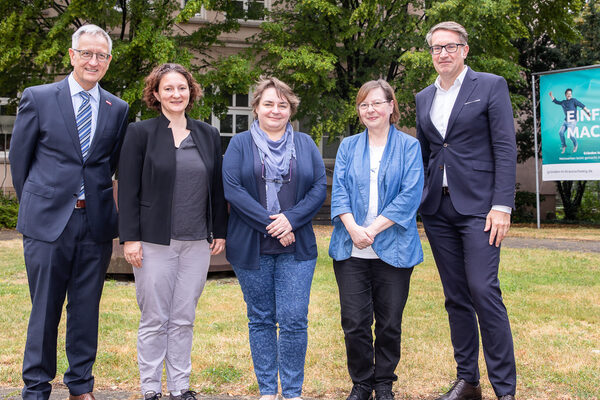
153,81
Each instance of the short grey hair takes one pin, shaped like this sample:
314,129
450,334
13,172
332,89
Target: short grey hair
449,26
90,29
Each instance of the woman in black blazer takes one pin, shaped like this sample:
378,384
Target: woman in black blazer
172,218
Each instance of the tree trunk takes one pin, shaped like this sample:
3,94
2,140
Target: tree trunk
571,201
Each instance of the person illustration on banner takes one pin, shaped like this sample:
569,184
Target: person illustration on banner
569,106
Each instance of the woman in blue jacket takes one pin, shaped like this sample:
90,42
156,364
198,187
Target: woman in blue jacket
377,187
274,180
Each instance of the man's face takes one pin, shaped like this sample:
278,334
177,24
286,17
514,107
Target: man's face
568,94
89,72
448,65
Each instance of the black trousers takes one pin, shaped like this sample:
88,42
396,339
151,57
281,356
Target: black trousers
75,266
468,268
372,288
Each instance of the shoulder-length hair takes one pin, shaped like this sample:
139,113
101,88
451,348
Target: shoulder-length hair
153,82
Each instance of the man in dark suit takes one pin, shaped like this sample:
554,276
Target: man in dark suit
64,151
466,129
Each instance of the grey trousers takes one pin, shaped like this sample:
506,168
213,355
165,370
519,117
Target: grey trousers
167,288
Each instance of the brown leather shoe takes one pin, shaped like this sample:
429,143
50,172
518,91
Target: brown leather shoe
462,390
507,397
85,396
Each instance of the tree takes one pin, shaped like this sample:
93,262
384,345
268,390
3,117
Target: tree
35,36
326,49
561,35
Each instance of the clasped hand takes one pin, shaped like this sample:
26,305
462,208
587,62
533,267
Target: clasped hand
362,237
281,229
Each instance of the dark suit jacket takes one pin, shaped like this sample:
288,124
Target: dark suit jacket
479,150
47,164
147,176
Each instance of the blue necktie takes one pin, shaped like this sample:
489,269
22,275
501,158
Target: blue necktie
84,127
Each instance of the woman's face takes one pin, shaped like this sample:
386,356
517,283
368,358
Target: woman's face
375,110
273,112
173,93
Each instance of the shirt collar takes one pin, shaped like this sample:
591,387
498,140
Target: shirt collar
457,82
75,88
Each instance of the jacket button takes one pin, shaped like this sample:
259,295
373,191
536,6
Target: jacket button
442,167
445,144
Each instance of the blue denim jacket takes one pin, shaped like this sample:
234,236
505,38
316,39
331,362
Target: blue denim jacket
400,184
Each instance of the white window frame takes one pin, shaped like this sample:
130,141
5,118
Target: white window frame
4,101
234,110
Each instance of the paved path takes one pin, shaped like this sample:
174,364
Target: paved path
59,392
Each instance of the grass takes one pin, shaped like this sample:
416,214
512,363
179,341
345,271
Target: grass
552,299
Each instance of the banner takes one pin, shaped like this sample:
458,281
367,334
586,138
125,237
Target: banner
570,122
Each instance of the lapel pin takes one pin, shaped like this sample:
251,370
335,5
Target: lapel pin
108,102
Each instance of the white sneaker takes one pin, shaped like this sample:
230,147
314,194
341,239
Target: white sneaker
268,397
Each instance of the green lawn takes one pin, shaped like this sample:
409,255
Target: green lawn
553,300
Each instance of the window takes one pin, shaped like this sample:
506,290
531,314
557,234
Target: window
7,120
253,9
238,119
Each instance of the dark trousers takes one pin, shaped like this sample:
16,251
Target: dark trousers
73,265
468,268
372,288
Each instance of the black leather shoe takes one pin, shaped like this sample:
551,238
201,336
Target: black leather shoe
384,394
507,397
359,393
462,390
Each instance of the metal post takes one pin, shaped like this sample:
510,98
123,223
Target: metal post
535,145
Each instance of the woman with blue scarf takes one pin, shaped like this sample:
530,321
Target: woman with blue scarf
377,187
274,180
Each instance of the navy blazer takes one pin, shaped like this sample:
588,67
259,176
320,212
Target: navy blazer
248,217
147,177
479,150
47,164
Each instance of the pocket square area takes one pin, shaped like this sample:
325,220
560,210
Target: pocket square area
472,101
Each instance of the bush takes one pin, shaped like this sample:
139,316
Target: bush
525,206
590,203
9,209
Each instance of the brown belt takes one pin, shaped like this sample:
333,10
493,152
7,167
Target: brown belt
80,204
445,191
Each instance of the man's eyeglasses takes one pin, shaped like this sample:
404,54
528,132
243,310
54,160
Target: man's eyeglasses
87,55
450,48
377,105
276,180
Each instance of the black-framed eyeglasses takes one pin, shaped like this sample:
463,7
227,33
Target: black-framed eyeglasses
87,55
276,180
450,48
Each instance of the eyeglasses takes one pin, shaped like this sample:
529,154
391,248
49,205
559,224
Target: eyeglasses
87,55
450,48
276,180
377,105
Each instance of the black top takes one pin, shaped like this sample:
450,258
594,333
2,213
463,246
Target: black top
147,176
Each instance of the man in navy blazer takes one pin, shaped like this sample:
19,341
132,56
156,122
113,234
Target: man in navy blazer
466,129
64,151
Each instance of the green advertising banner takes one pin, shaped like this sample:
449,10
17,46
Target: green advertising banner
570,122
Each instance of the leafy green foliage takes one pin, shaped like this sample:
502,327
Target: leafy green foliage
9,210
35,36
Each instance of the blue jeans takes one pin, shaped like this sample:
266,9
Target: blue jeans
564,128
278,294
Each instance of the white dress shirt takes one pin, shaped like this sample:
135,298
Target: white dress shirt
442,105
